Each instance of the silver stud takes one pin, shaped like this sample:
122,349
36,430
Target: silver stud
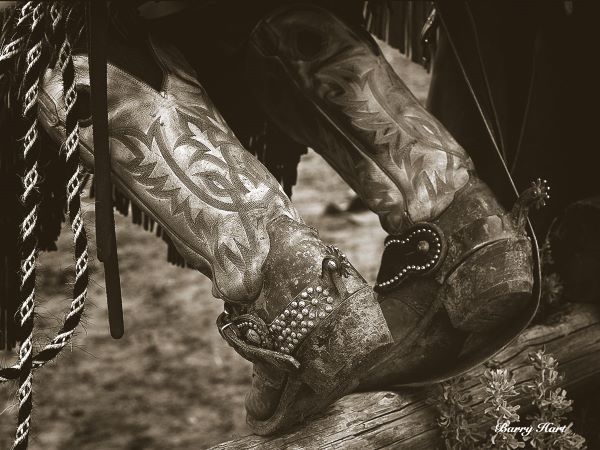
294,305
311,315
302,304
326,292
309,290
304,330
293,312
329,299
293,334
305,311
299,317
286,312
299,336
304,295
287,331
332,264
314,301
253,336
322,314
303,323
293,323
319,289
311,324
290,345
280,338
328,308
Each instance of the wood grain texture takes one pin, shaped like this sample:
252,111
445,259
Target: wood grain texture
406,418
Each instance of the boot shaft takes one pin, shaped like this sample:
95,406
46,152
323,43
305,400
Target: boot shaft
347,103
174,154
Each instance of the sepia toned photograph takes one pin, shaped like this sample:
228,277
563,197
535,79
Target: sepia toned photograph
335,224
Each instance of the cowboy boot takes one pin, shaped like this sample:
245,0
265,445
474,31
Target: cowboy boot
457,276
294,306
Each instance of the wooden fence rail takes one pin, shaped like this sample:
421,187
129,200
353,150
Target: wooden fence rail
406,419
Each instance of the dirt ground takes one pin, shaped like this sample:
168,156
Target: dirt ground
171,382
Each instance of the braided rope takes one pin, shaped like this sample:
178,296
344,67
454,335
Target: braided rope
74,186
30,200
30,17
17,39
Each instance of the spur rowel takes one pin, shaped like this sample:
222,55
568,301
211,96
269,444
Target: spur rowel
459,276
294,306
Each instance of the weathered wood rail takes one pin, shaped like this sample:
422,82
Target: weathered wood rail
406,419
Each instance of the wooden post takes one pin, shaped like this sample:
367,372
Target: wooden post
407,418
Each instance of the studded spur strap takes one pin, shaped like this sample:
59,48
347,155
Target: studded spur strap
419,251
286,332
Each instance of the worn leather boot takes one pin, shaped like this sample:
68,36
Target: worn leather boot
457,276
294,306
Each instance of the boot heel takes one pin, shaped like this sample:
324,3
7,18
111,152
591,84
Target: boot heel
491,286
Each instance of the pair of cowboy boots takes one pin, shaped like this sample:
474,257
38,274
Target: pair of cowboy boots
457,277
456,268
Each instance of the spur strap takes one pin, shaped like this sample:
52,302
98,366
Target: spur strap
277,341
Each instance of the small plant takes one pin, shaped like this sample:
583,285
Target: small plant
545,430
500,387
456,417
552,406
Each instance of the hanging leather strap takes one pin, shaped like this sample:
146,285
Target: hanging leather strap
97,21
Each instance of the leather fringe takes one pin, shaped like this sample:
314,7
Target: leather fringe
278,153
125,206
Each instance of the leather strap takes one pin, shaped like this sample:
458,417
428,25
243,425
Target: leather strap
97,21
229,331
